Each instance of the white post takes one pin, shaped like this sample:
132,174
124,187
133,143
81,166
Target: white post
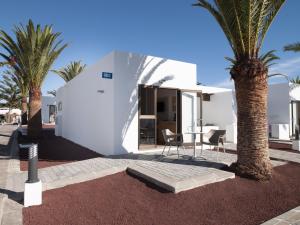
33,186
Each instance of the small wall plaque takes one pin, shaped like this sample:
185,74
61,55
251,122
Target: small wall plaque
107,75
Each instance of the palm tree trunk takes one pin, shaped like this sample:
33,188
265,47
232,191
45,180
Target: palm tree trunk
35,117
24,110
251,88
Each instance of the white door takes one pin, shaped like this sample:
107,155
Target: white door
189,114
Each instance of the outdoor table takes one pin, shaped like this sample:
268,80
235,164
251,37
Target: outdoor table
194,135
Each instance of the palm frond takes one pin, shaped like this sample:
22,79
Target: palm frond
52,92
70,71
33,49
10,92
245,22
268,58
292,47
295,80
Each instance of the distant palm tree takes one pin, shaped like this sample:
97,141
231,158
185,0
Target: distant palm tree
23,84
70,71
295,48
245,24
9,93
53,93
295,80
34,50
292,47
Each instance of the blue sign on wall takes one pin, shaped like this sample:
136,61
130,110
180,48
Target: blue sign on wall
107,75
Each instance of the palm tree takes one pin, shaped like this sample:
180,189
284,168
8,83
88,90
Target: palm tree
245,24
70,71
292,47
34,50
23,85
9,93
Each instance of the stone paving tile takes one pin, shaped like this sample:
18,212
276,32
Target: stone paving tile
284,155
291,217
175,177
61,175
12,213
10,210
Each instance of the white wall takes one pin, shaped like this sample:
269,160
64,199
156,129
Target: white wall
3,111
46,101
278,104
132,70
219,110
108,122
295,92
87,113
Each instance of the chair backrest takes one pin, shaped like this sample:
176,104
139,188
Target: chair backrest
216,134
165,133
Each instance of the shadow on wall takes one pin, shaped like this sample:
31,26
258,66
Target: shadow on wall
137,66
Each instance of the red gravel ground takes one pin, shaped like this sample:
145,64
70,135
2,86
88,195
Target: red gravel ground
55,150
124,200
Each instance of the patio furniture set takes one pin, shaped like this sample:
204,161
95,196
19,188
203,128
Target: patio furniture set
213,138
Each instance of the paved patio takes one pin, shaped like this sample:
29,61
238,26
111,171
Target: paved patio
10,208
172,173
276,154
291,217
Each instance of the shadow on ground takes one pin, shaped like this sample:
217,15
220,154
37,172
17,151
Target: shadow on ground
53,150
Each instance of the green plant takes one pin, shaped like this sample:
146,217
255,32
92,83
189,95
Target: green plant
9,92
292,47
70,71
32,51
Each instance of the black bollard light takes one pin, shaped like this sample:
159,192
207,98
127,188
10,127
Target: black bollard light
32,164
33,186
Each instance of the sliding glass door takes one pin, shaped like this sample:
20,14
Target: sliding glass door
147,116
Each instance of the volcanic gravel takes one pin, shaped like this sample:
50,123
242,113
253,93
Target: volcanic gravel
121,199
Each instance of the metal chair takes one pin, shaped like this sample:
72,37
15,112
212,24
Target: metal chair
215,137
172,139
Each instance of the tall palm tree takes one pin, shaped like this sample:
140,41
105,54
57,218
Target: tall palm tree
70,71
9,93
23,84
292,47
33,50
245,24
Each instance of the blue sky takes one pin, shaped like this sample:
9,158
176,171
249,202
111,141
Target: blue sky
168,28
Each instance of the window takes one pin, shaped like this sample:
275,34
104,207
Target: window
59,106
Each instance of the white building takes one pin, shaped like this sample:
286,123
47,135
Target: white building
48,109
122,103
4,111
283,110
